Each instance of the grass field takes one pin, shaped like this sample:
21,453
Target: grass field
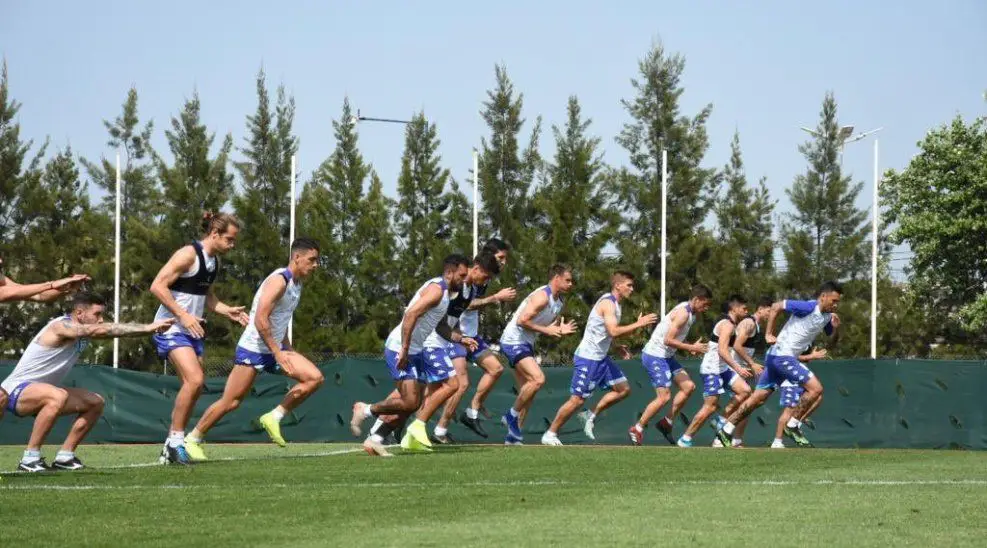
333,495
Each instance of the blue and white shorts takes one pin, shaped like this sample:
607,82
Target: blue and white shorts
790,395
257,360
517,352
164,344
15,395
411,370
660,370
436,365
717,384
460,351
588,375
781,368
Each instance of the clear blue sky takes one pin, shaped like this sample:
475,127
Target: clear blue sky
765,66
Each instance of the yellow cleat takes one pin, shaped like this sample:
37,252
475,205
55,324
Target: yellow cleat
194,450
409,443
419,433
273,429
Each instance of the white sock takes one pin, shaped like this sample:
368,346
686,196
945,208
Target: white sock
194,436
376,438
638,428
590,416
472,413
794,423
514,413
31,455
728,427
64,456
440,430
778,440
686,437
737,441
278,413
176,438
366,411
550,434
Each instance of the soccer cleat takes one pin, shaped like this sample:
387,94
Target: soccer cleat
444,439
588,425
356,421
684,443
38,465
410,443
637,436
797,436
375,449
665,427
273,429
777,444
737,444
418,433
174,455
550,438
194,450
513,428
473,424
71,464
511,440
717,443
725,439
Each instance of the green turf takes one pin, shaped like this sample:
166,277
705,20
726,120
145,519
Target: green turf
496,496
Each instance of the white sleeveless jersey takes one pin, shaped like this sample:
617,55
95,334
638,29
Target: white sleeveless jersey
434,340
284,308
712,363
469,321
45,364
596,341
193,304
656,344
514,334
801,328
426,323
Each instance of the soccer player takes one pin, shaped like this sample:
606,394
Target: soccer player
790,394
483,356
35,383
184,287
264,346
441,353
538,314
719,369
592,367
659,361
11,291
405,357
807,320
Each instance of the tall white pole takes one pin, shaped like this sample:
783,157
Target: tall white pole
476,199
291,233
664,223
116,268
873,260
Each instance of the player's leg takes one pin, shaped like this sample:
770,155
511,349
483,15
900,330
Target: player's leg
45,402
786,414
789,397
462,383
439,372
585,376
741,391
492,370
309,380
89,407
712,390
531,378
685,390
614,379
237,387
188,367
4,398
812,409
565,412
811,388
404,400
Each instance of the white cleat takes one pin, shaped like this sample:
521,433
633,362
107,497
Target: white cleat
550,438
588,430
777,445
717,443
375,449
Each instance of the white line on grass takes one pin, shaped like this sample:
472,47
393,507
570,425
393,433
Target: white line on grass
533,483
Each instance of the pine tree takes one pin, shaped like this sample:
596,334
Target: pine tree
826,236
13,153
657,124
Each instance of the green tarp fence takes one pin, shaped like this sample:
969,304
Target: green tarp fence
867,403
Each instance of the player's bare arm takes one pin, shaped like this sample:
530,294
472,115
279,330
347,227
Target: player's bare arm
179,263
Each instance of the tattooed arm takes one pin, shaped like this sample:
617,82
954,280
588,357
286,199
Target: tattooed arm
61,332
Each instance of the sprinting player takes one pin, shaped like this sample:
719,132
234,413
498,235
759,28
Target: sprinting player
441,353
184,287
790,394
719,369
483,357
538,314
592,367
11,291
807,320
264,346
35,383
659,361
404,353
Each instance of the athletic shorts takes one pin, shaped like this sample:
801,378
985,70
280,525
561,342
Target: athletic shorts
258,360
660,370
517,352
717,384
588,375
164,344
781,368
411,369
15,395
436,365
460,351
790,395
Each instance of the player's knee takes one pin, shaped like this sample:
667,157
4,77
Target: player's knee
58,398
622,390
687,388
495,370
232,404
537,381
318,379
194,380
95,402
